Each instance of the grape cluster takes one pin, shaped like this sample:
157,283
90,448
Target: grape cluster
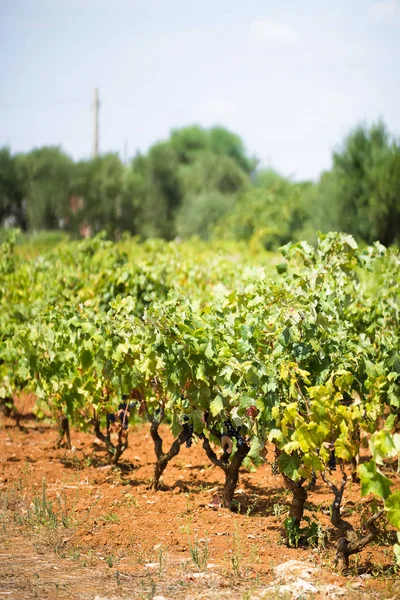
234,432
111,418
313,480
188,430
332,460
122,415
347,400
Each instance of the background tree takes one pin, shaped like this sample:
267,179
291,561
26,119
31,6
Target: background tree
360,195
98,187
269,214
198,214
12,207
203,182
226,143
45,175
194,163
385,196
209,189
146,201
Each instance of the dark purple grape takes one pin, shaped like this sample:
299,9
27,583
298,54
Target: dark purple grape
188,430
332,460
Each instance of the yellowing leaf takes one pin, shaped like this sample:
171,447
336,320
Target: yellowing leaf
216,406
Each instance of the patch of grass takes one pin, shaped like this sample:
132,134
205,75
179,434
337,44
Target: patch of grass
41,511
161,560
65,517
74,553
110,517
255,556
110,560
236,553
199,554
118,578
279,509
130,500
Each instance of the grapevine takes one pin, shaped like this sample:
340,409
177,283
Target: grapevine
307,361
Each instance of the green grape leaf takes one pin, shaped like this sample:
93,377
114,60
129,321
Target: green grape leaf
216,406
392,506
372,481
254,448
209,352
285,337
197,420
289,464
86,358
382,445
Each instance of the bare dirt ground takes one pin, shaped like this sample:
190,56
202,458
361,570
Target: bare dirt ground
71,526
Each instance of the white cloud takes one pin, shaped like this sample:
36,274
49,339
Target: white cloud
272,33
384,11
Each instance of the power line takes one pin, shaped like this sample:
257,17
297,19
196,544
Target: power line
111,104
45,104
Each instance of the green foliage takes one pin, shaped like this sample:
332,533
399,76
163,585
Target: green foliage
96,196
191,142
268,215
396,549
372,481
173,181
202,182
307,360
198,214
297,535
11,191
360,194
392,506
44,189
45,178
7,260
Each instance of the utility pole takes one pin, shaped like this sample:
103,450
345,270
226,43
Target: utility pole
96,106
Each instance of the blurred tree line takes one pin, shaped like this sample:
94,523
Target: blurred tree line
202,182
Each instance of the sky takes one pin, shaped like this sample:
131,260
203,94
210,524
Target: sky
292,78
